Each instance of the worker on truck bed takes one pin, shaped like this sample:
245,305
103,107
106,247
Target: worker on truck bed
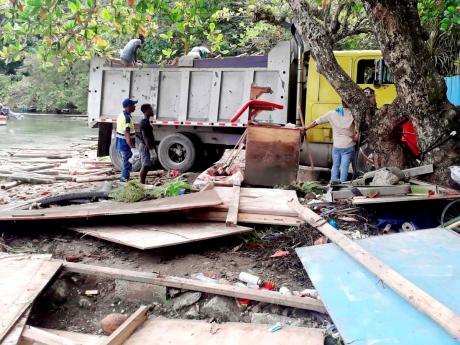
125,138
343,137
147,142
129,53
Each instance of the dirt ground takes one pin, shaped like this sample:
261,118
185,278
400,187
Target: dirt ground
222,259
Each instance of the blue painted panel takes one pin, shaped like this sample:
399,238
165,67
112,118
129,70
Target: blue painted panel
367,312
453,89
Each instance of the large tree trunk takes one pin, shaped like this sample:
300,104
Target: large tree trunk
321,45
421,90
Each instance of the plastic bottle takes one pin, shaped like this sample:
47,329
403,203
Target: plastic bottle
250,279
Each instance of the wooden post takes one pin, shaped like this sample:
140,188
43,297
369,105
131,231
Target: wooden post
421,300
232,215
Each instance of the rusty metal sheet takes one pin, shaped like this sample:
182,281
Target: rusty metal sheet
272,155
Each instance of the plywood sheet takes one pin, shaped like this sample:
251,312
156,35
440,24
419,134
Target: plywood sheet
259,200
80,338
366,311
272,155
191,332
249,218
110,208
22,277
390,199
149,236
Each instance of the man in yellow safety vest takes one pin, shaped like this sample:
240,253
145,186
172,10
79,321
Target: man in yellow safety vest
125,138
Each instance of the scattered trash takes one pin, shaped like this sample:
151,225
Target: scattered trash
276,327
280,254
91,292
250,279
285,291
309,293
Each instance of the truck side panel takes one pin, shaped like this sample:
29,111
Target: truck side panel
185,94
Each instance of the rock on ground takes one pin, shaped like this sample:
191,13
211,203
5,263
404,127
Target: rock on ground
269,319
185,300
222,309
111,322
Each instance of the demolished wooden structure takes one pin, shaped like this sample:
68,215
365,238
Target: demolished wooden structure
193,332
24,276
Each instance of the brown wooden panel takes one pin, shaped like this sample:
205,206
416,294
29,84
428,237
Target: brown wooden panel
110,208
272,155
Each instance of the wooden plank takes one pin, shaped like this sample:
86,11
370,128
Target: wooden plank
232,215
80,338
389,199
14,335
194,332
417,171
248,218
421,300
258,200
346,193
109,208
127,328
22,278
150,236
46,338
195,285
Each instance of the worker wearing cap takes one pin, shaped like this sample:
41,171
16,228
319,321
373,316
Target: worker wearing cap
125,138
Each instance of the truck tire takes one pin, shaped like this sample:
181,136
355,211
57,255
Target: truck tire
177,151
117,160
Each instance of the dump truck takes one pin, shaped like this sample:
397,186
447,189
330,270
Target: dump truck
193,103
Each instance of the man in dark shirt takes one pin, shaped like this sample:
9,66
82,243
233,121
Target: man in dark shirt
147,142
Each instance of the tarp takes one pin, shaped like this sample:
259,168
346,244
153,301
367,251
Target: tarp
453,89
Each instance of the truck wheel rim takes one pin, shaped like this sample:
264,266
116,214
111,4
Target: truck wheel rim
177,153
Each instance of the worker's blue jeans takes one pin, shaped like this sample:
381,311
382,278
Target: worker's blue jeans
341,159
127,167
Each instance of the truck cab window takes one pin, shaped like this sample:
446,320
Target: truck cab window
372,71
366,72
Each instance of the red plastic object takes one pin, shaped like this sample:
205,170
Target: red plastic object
269,285
410,138
257,105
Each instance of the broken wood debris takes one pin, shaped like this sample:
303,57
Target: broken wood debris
194,285
127,328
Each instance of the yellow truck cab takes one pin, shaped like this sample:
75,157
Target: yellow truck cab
365,67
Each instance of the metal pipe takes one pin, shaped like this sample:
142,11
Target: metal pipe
300,72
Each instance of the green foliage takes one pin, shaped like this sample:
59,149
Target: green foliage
5,83
310,187
47,89
169,189
441,21
132,192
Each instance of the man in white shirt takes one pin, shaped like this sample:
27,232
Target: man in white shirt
129,53
343,137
